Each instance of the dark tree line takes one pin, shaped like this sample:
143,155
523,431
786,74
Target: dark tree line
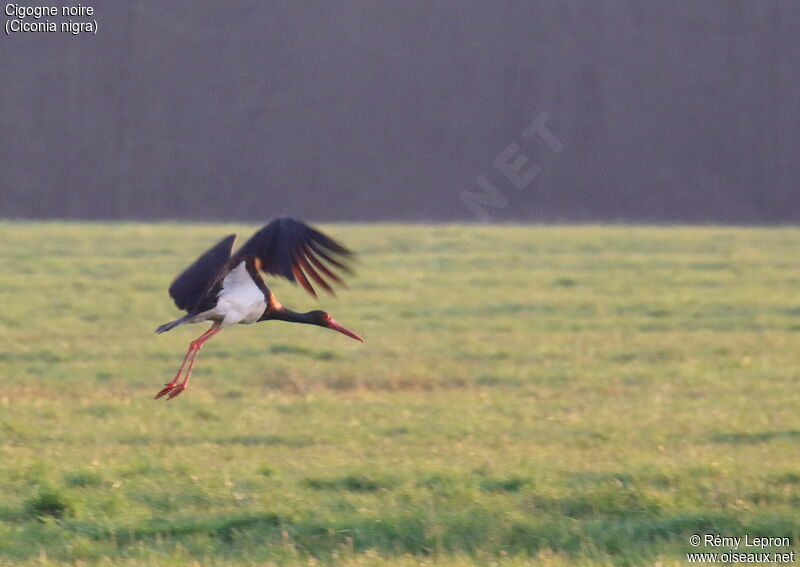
365,110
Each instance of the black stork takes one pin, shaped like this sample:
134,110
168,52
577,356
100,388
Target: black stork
226,288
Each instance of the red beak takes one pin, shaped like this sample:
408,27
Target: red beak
337,327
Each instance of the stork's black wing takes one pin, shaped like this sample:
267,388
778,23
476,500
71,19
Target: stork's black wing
291,249
188,288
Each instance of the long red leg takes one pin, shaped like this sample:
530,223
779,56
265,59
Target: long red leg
171,384
173,388
198,344
185,383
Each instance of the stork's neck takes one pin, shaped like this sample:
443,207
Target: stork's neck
285,314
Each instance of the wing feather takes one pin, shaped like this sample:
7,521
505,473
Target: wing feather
291,249
324,269
190,286
302,280
308,269
328,257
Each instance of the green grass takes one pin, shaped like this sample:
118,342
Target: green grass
549,395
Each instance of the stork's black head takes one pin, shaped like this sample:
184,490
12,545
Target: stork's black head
323,319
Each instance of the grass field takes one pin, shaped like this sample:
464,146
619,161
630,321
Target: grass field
526,395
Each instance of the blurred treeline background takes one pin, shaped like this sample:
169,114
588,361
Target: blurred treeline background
676,111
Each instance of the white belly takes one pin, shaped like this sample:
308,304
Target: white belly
240,301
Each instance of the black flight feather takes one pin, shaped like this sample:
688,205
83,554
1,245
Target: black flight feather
189,288
293,250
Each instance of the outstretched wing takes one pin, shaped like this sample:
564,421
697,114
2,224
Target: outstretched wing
291,249
188,288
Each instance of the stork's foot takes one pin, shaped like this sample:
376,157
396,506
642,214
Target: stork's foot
176,390
168,387
172,389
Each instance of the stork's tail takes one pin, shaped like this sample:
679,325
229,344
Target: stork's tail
172,324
